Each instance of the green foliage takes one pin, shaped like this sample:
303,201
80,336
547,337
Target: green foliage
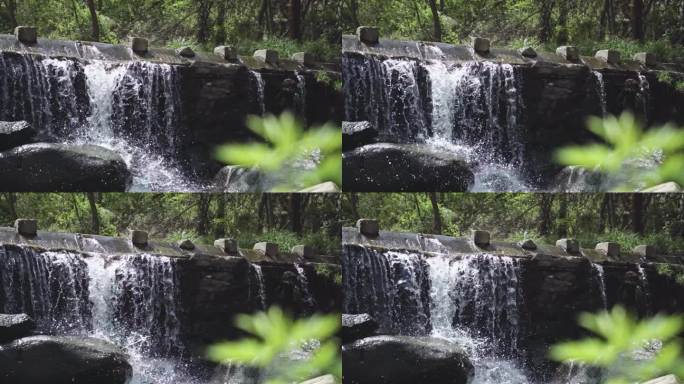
275,336
183,234
674,272
329,273
618,335
668,78
286,144
321,49
662,48
325,78
626,142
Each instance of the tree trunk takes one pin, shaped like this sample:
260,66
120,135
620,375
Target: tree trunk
11,6
545,20
436,216
220,34
437,25
94,217
220,228
296,213
296,20
203,21
203,214
11,198
563,217
563,23
95,24
638,213
545,214
638,20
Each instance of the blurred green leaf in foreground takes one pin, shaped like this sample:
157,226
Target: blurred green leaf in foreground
625,142
619,338
275,337
285,144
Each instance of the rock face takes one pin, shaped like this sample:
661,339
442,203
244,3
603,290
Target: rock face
357,327
404,168
63,360
15,133
14,327
357,133
240,180
405,360
47,167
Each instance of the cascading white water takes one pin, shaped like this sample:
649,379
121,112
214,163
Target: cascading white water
601,280
300,97
601,91
644,94
259,86
308,299
259,275
474,303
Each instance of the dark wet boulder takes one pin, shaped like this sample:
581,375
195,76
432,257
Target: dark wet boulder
405,168
357,133
356,327
240,180
14,327
45,167
63,360
405,360
15,133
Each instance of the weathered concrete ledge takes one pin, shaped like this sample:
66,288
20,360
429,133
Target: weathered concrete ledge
86,50
83,243
421,50
458,247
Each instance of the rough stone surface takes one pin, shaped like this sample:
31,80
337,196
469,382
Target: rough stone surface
140,45
609,249
610,56
62,360
47,167
327,379
238,179
411,360
481,45
269,56
327,187
528,245
669,379
357,327
228,246
568,52
670,187
304,251
570,246
368,227
186,244
303,58
368,35
646,58
481,238
15,133
645,251
528,52
26,35
226,52
185,52
139,238
26,227
14,327
268,249
357,133
404,168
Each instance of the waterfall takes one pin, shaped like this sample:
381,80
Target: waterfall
390,286
48,93
644,94
259,86
645,289
474,108
131,108
308,299
261,286
601,282
300,97
129,300
601,91
51,287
